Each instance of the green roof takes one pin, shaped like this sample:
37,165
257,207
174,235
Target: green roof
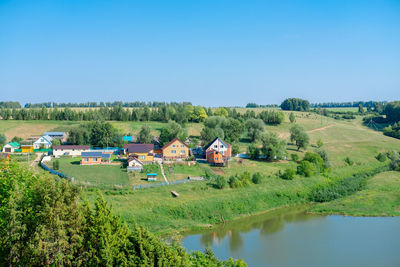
14,144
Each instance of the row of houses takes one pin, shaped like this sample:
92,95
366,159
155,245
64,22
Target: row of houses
35,142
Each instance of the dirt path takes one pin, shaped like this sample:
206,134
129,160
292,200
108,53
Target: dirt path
37,159
321,129
162,172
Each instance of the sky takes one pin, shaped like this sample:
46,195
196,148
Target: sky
208,52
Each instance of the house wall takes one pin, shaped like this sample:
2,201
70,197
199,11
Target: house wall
220,147
181,151
144,157
70,152
8,148
26,149
91,161
215,158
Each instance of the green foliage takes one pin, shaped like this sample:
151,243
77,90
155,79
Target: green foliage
320,143
272,117
288,174
294,157
151,168
56,142
171,131
98,133
229,129
299,135
255,128
316,159
220,182
56,164
253,151
348,161
273,148
339,188
392,130
257,178
295,104
392,111
382,157
235,149
324,155
306,168
17,139
237,181
144,136
3,139
222,112
395,161
292,118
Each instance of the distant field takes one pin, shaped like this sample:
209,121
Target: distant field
351,109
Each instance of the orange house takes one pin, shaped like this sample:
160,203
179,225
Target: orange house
215,157
94,158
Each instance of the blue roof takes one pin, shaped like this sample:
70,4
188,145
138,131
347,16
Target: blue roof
127,138
54,133
106,156
91,154
152,174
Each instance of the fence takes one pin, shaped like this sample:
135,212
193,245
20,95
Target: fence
44,166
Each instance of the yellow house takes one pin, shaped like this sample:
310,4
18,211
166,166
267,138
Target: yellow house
144,152
26,148
176,149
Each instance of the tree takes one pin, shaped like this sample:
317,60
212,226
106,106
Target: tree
296,104
17,139
299,135
306,168
253,151
3,140
144,136
222,112
273,148
392,111
172,130
288,174
56,164
233,129
235,149
272,117
292,118
255,128
56,142
361,109
320,143
220,182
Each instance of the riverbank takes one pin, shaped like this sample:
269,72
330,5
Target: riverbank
381,197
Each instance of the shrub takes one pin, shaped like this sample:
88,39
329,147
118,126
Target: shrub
319,143
288,174
381,157
294,157
220,182
316,159
56,164
349,161
257,178
306,168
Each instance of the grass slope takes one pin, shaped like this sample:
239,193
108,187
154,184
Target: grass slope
381,197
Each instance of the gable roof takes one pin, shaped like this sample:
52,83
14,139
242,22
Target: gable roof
223,142
14,144
47,139
138,148
172,141
135,159
78,147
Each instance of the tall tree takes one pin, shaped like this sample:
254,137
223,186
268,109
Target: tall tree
144,136
255,128
300,136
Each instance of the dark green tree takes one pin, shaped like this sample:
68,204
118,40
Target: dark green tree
144,136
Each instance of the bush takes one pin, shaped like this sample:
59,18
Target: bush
306,168
257,178
220,182
238,181
151,168
56,164
320,143
381,157
288,174
294,157
316,159
349,161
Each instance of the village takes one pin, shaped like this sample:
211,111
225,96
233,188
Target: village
145,159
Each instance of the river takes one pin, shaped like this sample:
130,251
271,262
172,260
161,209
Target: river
291,237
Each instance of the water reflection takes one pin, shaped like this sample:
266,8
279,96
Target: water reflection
267,224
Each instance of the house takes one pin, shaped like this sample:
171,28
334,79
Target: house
144,152
43,142
134,164
220,146
10,147
69,150
151,176
26,148
176,149
216,158
62,136
5,157
94,158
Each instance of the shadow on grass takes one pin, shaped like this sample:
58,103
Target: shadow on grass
75,162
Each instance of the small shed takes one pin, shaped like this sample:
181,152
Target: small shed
26,148
151,176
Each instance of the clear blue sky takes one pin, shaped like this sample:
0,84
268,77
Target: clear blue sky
207,52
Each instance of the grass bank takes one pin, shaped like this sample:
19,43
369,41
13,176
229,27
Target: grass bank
381,197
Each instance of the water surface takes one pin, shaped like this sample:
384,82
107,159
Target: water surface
291,237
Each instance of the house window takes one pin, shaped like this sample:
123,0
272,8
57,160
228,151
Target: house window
183,152
142,157
221,146
173,151
216,158
86,159
173,145
216,146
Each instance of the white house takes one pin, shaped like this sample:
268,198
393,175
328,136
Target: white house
10,147
220,146
134,164
70,150
44,141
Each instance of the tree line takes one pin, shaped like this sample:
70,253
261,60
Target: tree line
44,221
134,104
353,104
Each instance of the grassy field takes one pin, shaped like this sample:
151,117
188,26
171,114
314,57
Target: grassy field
381,197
